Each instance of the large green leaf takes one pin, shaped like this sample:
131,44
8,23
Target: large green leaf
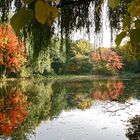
135,36
21,18
113,3
27,1
119,38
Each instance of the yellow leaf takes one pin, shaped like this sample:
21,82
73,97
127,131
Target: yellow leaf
45,13
41,11
113,3
134,9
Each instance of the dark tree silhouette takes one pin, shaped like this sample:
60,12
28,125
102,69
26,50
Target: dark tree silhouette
133,132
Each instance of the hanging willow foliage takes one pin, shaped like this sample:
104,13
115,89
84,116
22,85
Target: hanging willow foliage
73,15
115,16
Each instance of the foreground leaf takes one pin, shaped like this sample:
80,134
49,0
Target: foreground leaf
113,3
119,38
45,13
20,19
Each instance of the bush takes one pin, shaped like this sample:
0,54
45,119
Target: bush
12,55
106,61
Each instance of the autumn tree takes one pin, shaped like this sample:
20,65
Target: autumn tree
12,54
32,21
106,61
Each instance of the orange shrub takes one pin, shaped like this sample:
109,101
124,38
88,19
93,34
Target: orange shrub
106,59
12,54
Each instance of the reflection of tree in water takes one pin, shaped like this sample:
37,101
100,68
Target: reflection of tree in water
108,90
13,109
80,100
45,103
39,96
78,94
116,94
58,100
133,131
48,99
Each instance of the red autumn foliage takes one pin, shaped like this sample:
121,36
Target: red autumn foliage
12,54
111,58
12,112
109,91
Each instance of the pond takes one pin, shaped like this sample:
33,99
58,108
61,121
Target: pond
98,109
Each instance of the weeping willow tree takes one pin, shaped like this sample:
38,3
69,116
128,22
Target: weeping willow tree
36,19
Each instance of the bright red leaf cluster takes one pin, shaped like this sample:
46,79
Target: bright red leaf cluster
12,112
12,54
111,58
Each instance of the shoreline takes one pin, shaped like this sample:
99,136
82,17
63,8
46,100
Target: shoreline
76,77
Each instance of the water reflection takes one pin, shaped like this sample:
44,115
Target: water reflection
24,106
13,109
108,91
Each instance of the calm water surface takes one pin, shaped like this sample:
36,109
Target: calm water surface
75,110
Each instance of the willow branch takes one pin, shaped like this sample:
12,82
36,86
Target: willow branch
61,4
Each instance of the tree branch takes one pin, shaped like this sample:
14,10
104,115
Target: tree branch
76,2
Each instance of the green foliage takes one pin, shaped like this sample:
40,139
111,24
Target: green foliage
39,27
26,72
58,55
80,60
129,56
135,36
131,27
43,62
73,15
